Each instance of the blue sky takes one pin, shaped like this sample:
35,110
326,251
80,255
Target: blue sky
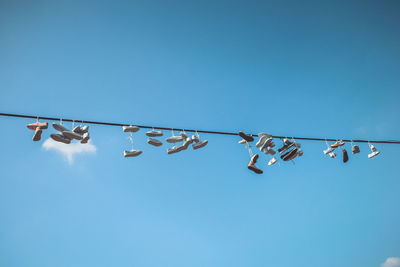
315,68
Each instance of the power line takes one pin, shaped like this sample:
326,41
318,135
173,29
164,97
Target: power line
199,131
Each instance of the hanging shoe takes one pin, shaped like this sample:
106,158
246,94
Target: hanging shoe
72,135
373,154
289,155
267,143
300,153
200,144
132,153
85,138
37,135
130,128
261,141
337,144
154,133
246,137
328,150
332,155
272,161
59,127
60,138
286,145
174,139
252,166
154,142
41,125
355,149
242,142
345,155
174,149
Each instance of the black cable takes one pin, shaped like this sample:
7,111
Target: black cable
199,131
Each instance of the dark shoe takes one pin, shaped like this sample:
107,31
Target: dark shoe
252,166
289,155
345,156
246,137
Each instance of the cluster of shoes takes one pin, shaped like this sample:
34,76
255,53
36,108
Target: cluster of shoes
291,150
80,133
133,152
355,149
37,127
182,137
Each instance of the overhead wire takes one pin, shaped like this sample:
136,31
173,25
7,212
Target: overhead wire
198,131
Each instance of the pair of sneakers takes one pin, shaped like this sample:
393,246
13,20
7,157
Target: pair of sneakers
82,131
287,144
153,141
38,127
133,152
176,139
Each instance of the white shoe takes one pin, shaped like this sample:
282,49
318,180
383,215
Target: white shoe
132,153
130,128
72,135
174,139
154,133
154,142
85,138
261,141
59,127
328,150
332,155
173,150
60,138
272,161
373,154
200,144
242,142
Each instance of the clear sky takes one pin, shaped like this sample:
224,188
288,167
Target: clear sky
304,68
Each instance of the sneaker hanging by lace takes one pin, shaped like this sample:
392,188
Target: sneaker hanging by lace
37,127
354,148
133,152
198,143
374,151
328,149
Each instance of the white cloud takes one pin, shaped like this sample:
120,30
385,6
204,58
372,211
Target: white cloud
391,262
69,150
